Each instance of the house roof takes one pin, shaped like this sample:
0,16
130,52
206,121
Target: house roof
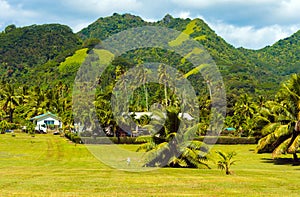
44,115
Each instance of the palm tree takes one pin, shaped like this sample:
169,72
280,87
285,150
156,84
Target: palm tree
4,125
281,134
163,79
38,103
168,147
225,161
11,100
245,111
142,74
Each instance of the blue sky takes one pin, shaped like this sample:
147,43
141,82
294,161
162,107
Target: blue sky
247,23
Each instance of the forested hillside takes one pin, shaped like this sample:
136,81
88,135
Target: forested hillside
31,53
38,50
242,70
282,58
39,63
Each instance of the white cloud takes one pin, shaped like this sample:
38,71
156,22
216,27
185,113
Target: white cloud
14,14
5,9
8,11
79,25
149,19
184,15
288,9
250,37
211,3
103,6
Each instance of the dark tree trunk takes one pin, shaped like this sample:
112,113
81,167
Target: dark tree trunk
11,116
295,157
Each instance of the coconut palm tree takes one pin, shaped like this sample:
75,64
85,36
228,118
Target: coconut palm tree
244,112
4,125
164,79
37,103
168,147
281,134
11,100
225,161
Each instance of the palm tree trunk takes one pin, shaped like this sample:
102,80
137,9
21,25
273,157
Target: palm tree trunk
146,94
295,157
227,170
166,94
11,115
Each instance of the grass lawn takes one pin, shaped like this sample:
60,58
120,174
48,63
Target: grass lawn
49,165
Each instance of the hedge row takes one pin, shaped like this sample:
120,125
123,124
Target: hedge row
227,140
132,140
73,137
109,140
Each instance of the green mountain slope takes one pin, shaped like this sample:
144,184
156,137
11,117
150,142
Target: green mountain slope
240,72
283,58
24,50
37,54
104,27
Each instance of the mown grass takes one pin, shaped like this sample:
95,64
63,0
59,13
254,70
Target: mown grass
49,165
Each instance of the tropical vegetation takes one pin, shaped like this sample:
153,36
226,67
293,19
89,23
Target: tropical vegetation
39,63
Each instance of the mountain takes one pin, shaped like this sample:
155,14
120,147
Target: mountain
283,58
105,27
46,54
24,51
239,71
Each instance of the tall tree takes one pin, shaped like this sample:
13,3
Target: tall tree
282,131
11,100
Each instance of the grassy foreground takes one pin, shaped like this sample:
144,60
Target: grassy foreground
52,166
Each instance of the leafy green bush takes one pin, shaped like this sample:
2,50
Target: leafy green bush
227,140
133,140
109,140
73,137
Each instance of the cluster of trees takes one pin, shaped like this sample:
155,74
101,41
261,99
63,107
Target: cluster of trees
36,76
20,103
34,51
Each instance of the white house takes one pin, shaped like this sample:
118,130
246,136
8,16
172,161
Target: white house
45,120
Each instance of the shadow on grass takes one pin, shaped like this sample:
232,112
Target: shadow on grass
282,161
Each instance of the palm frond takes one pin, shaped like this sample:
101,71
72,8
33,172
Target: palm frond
191,132
281,149
294,145
177,161
144,139
270,128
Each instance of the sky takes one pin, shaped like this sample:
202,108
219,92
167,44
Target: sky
251,24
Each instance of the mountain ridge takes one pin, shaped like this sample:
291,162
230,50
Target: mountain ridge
244,70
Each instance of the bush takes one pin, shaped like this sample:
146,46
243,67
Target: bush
73,137
227,140
109,140
132,140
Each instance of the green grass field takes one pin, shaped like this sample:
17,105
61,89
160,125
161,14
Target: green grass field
49,165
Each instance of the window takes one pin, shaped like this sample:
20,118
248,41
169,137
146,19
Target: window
49,122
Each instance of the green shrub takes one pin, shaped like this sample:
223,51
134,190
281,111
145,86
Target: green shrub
227,140
73,137
132,140
109,140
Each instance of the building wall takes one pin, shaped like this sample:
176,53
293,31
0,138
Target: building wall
42,121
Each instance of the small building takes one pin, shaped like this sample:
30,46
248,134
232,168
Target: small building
48,119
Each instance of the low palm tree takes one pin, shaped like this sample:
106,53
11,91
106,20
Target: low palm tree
4,125
168,147
225,161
